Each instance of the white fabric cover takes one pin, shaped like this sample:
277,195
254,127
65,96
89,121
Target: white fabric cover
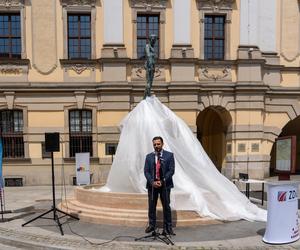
199,186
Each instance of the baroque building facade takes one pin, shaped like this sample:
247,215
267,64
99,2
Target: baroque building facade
228,68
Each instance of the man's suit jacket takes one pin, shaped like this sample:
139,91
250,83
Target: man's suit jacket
167,168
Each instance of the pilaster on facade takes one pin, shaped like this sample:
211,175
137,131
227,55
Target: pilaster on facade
113,25
255,66
249,65
181,47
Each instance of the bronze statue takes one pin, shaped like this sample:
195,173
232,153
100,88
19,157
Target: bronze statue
150,64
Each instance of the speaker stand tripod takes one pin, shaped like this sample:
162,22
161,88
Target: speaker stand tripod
53,209
155,235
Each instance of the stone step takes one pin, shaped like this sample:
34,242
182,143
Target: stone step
128,209
129,217
113,200
117,212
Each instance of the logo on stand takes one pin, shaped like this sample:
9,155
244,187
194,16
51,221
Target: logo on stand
81,168
281,196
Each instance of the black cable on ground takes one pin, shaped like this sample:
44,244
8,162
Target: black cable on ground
64,193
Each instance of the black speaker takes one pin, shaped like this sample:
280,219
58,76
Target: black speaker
52,142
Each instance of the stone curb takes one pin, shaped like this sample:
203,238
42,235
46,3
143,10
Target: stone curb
32,241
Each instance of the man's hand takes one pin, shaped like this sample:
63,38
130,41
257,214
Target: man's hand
156,184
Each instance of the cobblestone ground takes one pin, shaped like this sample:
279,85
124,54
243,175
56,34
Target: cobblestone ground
12,239
42,234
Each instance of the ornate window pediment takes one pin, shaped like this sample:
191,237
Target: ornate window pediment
149,4
215,4
11,3
78,2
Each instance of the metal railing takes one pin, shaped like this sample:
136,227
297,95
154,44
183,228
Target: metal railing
13,145
80,143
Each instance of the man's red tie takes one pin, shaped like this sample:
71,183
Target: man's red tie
157,169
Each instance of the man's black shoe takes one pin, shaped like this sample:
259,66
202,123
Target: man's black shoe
170,231
149,229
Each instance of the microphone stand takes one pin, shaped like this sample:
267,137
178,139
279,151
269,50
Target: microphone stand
165,193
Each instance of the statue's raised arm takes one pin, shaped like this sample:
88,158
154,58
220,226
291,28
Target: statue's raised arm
150,64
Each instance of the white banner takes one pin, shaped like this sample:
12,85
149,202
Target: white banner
82,168
282,222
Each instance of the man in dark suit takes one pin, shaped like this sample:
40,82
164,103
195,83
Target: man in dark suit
159,169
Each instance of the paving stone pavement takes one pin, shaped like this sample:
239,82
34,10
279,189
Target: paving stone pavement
44,234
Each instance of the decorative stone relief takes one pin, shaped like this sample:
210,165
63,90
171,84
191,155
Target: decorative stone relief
215,73
149,4
10,69
11,3
138,73
78,2
79,68
215,4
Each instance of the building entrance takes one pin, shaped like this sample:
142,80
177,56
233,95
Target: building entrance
212,127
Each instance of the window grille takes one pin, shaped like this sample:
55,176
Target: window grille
80,126
11,128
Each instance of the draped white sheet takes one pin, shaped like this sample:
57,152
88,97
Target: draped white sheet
199,186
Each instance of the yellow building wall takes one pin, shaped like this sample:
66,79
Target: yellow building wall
276,119
168,36
235,31
248,117
35,150
109,118
46,119
101,149
290,79
266,147
128,35
189,117
195,29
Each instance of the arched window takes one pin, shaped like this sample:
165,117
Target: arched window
11,128
80,127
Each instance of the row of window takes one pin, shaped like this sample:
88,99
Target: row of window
11,129
79,35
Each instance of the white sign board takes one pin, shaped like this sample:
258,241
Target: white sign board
82,168
284,154
282,223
